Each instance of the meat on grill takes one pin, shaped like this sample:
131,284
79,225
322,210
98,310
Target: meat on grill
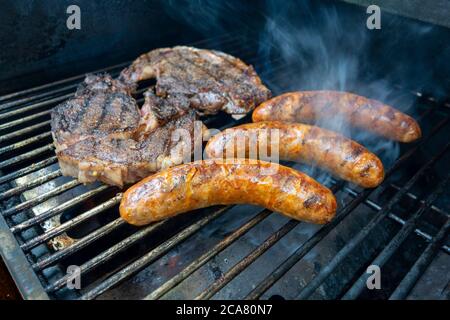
98,135
300,142
210,80
360,112
205,183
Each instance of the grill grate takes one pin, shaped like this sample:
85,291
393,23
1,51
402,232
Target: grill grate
26,148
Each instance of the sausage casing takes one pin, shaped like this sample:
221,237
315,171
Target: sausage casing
333,152
360,112
212,182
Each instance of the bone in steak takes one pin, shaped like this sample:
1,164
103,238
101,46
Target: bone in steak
100,134
98,137
210,80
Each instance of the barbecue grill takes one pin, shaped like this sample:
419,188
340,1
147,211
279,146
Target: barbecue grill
49,222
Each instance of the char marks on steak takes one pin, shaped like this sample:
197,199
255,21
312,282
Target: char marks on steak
210,80
98,135
101,106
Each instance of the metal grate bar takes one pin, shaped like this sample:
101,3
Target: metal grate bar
49,85
399,238
426,113
414,197
152,255
35,106
252,256
28,282
41,198
394,217
23,131
27,155
108,254
422,142
240,266
35,182
31,168
420,265
342,254
55,210
421,95
37,96
71,223
197,263
286,265
24,119
25,142
79,244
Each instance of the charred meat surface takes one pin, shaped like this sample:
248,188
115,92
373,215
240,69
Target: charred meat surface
211,182
101,106
98,135
299,142
360,112
210,80
157,111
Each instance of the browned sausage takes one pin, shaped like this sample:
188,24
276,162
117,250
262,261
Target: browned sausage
212,182
333,152
360,112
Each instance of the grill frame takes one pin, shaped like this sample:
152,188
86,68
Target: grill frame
31,287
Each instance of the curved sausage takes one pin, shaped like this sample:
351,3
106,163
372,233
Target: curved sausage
206,183
333,152
363,113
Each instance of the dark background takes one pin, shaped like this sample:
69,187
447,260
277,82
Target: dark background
36,46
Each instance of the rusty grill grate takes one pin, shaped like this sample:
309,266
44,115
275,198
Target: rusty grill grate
48,221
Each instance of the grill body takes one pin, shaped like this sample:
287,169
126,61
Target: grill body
49,222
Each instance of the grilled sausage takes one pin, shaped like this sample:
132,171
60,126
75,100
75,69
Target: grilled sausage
206,183
360,112
333,152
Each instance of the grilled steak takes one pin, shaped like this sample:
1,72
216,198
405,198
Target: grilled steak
101,106
98,135
157,111
210,80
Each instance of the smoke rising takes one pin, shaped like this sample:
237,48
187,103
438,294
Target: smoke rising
317,45
329,55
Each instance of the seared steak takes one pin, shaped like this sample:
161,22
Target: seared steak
101,106
210,80
157,111
98,135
